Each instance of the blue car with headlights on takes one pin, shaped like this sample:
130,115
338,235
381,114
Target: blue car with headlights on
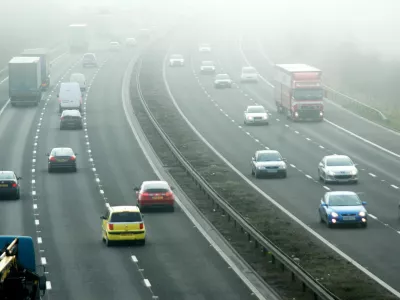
342,208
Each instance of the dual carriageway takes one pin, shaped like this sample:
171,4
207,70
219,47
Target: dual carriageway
62,210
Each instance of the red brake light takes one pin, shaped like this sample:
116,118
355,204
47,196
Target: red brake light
145,194
14,185
72,157
62,118
169,194
52,158
110,226
141,226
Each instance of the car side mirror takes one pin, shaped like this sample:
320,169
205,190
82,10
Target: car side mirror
324,204
285,159
76,154
136,189
142,216
19,178
172,188
253,159
102,217
364,203
47,154
355,165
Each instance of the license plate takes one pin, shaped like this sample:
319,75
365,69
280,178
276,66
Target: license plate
347,218
157,198
272,170
63,160
127,233
3,185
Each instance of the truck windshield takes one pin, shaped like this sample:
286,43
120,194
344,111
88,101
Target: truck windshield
308,94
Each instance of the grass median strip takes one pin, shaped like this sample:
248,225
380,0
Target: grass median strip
342,278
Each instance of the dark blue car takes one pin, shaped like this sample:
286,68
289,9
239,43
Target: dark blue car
342,208
9,185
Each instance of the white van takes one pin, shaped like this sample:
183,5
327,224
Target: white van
70,96
79,78
249,74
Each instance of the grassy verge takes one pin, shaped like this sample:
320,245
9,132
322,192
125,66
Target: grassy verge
341,277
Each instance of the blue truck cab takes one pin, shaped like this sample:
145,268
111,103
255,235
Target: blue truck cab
18,274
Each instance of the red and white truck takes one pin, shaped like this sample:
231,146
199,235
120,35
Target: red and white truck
298,92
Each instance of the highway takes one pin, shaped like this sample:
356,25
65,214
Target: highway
62,210
302,144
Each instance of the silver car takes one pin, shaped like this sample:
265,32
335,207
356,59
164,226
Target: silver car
268,163
255,115
204,48
337,168
207,67
249,74
222,81
115,46
176,60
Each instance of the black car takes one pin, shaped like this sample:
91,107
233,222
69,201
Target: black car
9,184
89,59
71,118
61,159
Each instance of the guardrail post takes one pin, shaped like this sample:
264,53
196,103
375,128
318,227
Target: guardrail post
293,277
255,244
248,236
282,267
272,259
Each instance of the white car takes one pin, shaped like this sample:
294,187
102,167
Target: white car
204,48
79,78
176,60
115,46
268,163
337,168
222,81
249,74
255,115
131,42
207,67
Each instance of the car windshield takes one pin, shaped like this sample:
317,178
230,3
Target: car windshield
77,77
208,63
156,190
255,110
308,94
273,156
344,200
339,162
223,76
176,56
249,70
88,56
62,152
6,175
126,217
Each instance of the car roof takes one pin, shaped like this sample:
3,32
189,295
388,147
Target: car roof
155,184
340,193
7,172
89,53
223,74
207,62
255,106
267,151
248,68
336,156
130,38
71,112
114,42
176,55
124,208
69,84
62,149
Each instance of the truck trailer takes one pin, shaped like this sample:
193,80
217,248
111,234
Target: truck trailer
44,61
298,92
78,38
25,80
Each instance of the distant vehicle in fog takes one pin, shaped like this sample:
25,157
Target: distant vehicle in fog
89,59
204,48
222,81
249,74
255,114
176,60
25,80
79,78
115,46
71,118
131,42
144,34
207,67
78,38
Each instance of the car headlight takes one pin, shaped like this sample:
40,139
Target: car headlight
282,166
331,173
334,215
354,172
361,214
265,117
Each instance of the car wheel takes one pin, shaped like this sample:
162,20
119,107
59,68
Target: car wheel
17,195
321,220
172,209
284,175
329,225
256,175
355,181
142,242
49,170
74,169
108,242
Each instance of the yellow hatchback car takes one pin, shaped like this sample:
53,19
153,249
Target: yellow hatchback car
123,224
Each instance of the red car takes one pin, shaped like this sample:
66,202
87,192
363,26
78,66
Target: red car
157,194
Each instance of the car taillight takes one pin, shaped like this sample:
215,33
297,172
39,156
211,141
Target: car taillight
141,226
62,118
14,185
169,194
52,158
72,158
110,226
145,194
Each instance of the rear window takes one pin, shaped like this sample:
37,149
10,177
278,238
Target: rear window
223,76
156,190
89,56
207,63
7,175
62,152
126,217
